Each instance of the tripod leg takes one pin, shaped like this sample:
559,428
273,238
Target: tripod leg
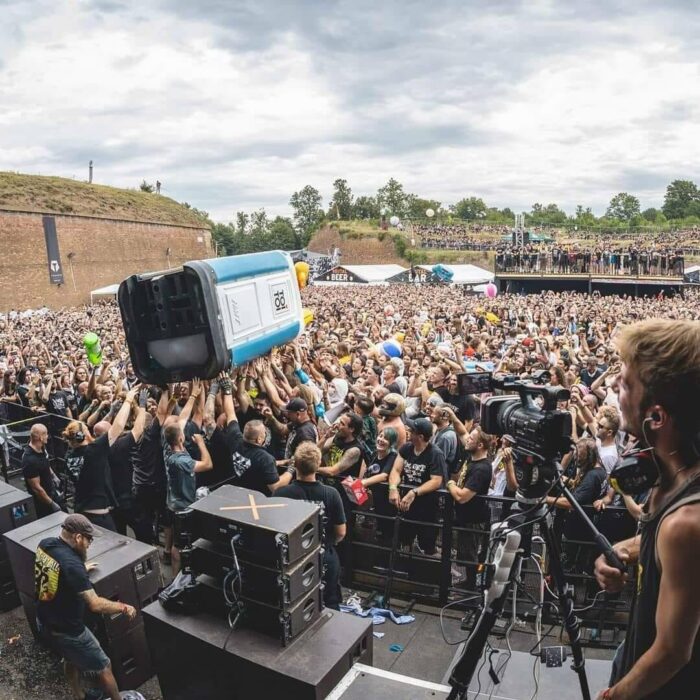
566,606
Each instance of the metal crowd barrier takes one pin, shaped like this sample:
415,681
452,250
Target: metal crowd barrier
375,560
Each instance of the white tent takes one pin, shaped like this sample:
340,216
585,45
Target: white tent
374,273
359,274
467,274
108,291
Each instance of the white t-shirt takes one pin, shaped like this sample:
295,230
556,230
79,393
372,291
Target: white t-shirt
608,455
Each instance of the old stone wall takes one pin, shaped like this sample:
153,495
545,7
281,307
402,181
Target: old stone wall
94,253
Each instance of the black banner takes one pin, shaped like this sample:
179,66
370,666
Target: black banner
52,252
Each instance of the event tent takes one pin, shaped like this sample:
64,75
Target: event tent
359,274
461,274
108,291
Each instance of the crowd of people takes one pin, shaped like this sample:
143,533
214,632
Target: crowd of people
660,252
339,402
604,258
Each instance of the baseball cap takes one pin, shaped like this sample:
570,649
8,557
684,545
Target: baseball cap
296,404
422,426
79,525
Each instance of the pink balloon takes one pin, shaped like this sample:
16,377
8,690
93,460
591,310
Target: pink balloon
491,290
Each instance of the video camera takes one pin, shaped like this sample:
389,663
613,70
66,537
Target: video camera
542,434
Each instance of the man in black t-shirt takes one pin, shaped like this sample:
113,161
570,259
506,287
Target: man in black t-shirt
419,470
121,463
87,462
149,478
63,591
253,467
307,460
299,429
472,512
38,475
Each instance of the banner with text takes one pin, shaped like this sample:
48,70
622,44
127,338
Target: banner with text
52,252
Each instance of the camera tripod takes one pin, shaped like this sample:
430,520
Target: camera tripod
513,537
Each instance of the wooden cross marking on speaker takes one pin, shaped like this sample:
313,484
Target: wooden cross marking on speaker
254,506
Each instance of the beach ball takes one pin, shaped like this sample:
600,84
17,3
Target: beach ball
429,213
394,221
391,348
491,290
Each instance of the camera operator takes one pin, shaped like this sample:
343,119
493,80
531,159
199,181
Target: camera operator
658,389
420,465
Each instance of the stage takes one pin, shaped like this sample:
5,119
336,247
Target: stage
534,282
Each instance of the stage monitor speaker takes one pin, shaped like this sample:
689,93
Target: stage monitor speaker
264,584
269,619
269,531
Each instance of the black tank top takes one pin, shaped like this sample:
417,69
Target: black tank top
642,630
336,452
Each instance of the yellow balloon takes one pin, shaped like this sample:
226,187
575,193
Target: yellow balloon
302,267
400,336
308,315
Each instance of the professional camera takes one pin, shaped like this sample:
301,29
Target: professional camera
542,434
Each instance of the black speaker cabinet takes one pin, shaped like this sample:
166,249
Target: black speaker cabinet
197,656
16,509
264,584
127,570
269,619
271,531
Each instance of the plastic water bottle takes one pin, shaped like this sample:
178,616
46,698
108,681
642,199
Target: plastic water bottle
91,343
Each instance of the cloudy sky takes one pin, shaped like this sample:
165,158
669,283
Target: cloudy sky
235,104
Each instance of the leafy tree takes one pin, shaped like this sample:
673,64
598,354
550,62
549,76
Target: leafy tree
147,187
584,218
281,234
680,195
393,197
242,221
365,208
224,237
623,206
417,206
650,214
470,208
341,204
308,214
259,223
551,214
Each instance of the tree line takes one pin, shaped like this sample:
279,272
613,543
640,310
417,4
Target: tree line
252,232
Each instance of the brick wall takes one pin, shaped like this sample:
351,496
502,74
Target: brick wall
105,252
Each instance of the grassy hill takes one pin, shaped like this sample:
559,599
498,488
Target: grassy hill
58,195
364,243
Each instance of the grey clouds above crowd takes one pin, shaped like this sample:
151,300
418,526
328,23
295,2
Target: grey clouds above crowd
234,105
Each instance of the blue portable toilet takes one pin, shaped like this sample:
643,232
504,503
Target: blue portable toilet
203,317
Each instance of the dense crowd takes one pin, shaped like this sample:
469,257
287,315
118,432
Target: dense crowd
605,258
396,420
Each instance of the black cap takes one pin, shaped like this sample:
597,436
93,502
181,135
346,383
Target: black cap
79,525
296,404
423,426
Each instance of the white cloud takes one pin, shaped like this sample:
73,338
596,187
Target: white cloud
235,107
